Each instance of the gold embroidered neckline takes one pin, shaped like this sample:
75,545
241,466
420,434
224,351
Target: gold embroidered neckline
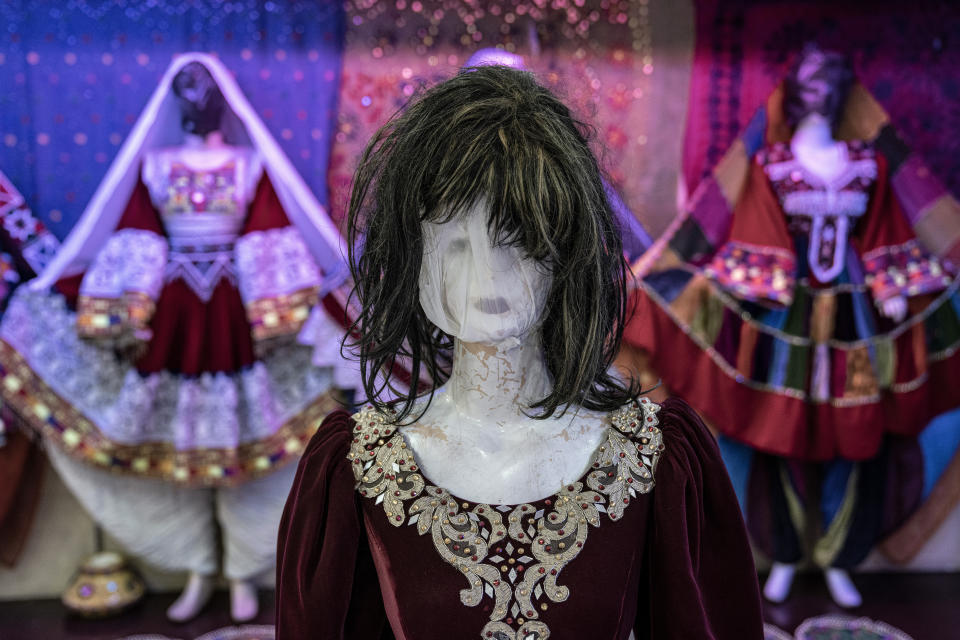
509,561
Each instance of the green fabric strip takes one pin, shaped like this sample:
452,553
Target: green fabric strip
708,320
827,547
885,362
798,368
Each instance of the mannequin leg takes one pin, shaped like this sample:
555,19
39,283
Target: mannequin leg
777,586
249,516
193,598
775,519
841,588
244,604
852,508
168,526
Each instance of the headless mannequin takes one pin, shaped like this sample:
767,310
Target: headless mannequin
476,439
814,147
202,108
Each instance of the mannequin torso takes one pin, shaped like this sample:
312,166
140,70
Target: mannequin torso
815,149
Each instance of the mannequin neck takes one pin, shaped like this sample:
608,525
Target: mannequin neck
813,132
815,149
498,382
212,140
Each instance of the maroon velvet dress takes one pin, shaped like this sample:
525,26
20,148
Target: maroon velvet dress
650,540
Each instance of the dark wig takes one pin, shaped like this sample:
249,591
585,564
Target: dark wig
201,103
818,82
490,134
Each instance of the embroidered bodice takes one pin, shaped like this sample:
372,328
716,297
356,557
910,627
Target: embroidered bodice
823,209
202,195
511,554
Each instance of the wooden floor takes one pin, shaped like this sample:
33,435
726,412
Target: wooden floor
47,620
926,606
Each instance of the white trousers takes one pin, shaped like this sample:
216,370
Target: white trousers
172,527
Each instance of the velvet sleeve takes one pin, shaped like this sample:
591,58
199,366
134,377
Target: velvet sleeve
700,578
327,586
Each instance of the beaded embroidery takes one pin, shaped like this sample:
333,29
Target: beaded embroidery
513,554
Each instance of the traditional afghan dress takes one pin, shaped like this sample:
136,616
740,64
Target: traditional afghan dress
160,343
763,311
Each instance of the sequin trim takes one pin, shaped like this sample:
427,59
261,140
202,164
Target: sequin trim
905,269
513,554
753,272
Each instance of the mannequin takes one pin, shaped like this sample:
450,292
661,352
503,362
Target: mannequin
167,348
795,303
201,105
525,470
815,102
814,147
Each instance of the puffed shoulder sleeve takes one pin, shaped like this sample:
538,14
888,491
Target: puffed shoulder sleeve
327,585
701,579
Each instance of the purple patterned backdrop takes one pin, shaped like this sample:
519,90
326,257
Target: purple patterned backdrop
75,75
906,53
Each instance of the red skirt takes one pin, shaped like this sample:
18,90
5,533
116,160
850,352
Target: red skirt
192,336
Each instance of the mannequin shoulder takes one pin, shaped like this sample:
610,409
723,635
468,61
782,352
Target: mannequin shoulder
330,444
773,153
689,451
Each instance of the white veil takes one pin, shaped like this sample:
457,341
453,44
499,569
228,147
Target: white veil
159,126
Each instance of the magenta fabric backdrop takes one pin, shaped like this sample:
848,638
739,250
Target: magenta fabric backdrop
906,54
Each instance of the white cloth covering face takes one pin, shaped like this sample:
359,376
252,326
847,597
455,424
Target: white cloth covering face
476,439
475,291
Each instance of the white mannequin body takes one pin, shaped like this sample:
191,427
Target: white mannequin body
814,147
210,152
206,152
476,442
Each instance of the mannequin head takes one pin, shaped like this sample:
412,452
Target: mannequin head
479,213
819,82
492,56
200,100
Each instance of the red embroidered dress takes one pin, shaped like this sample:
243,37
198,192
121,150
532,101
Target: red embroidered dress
649,541
760,260
784,317
168,344
202,266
